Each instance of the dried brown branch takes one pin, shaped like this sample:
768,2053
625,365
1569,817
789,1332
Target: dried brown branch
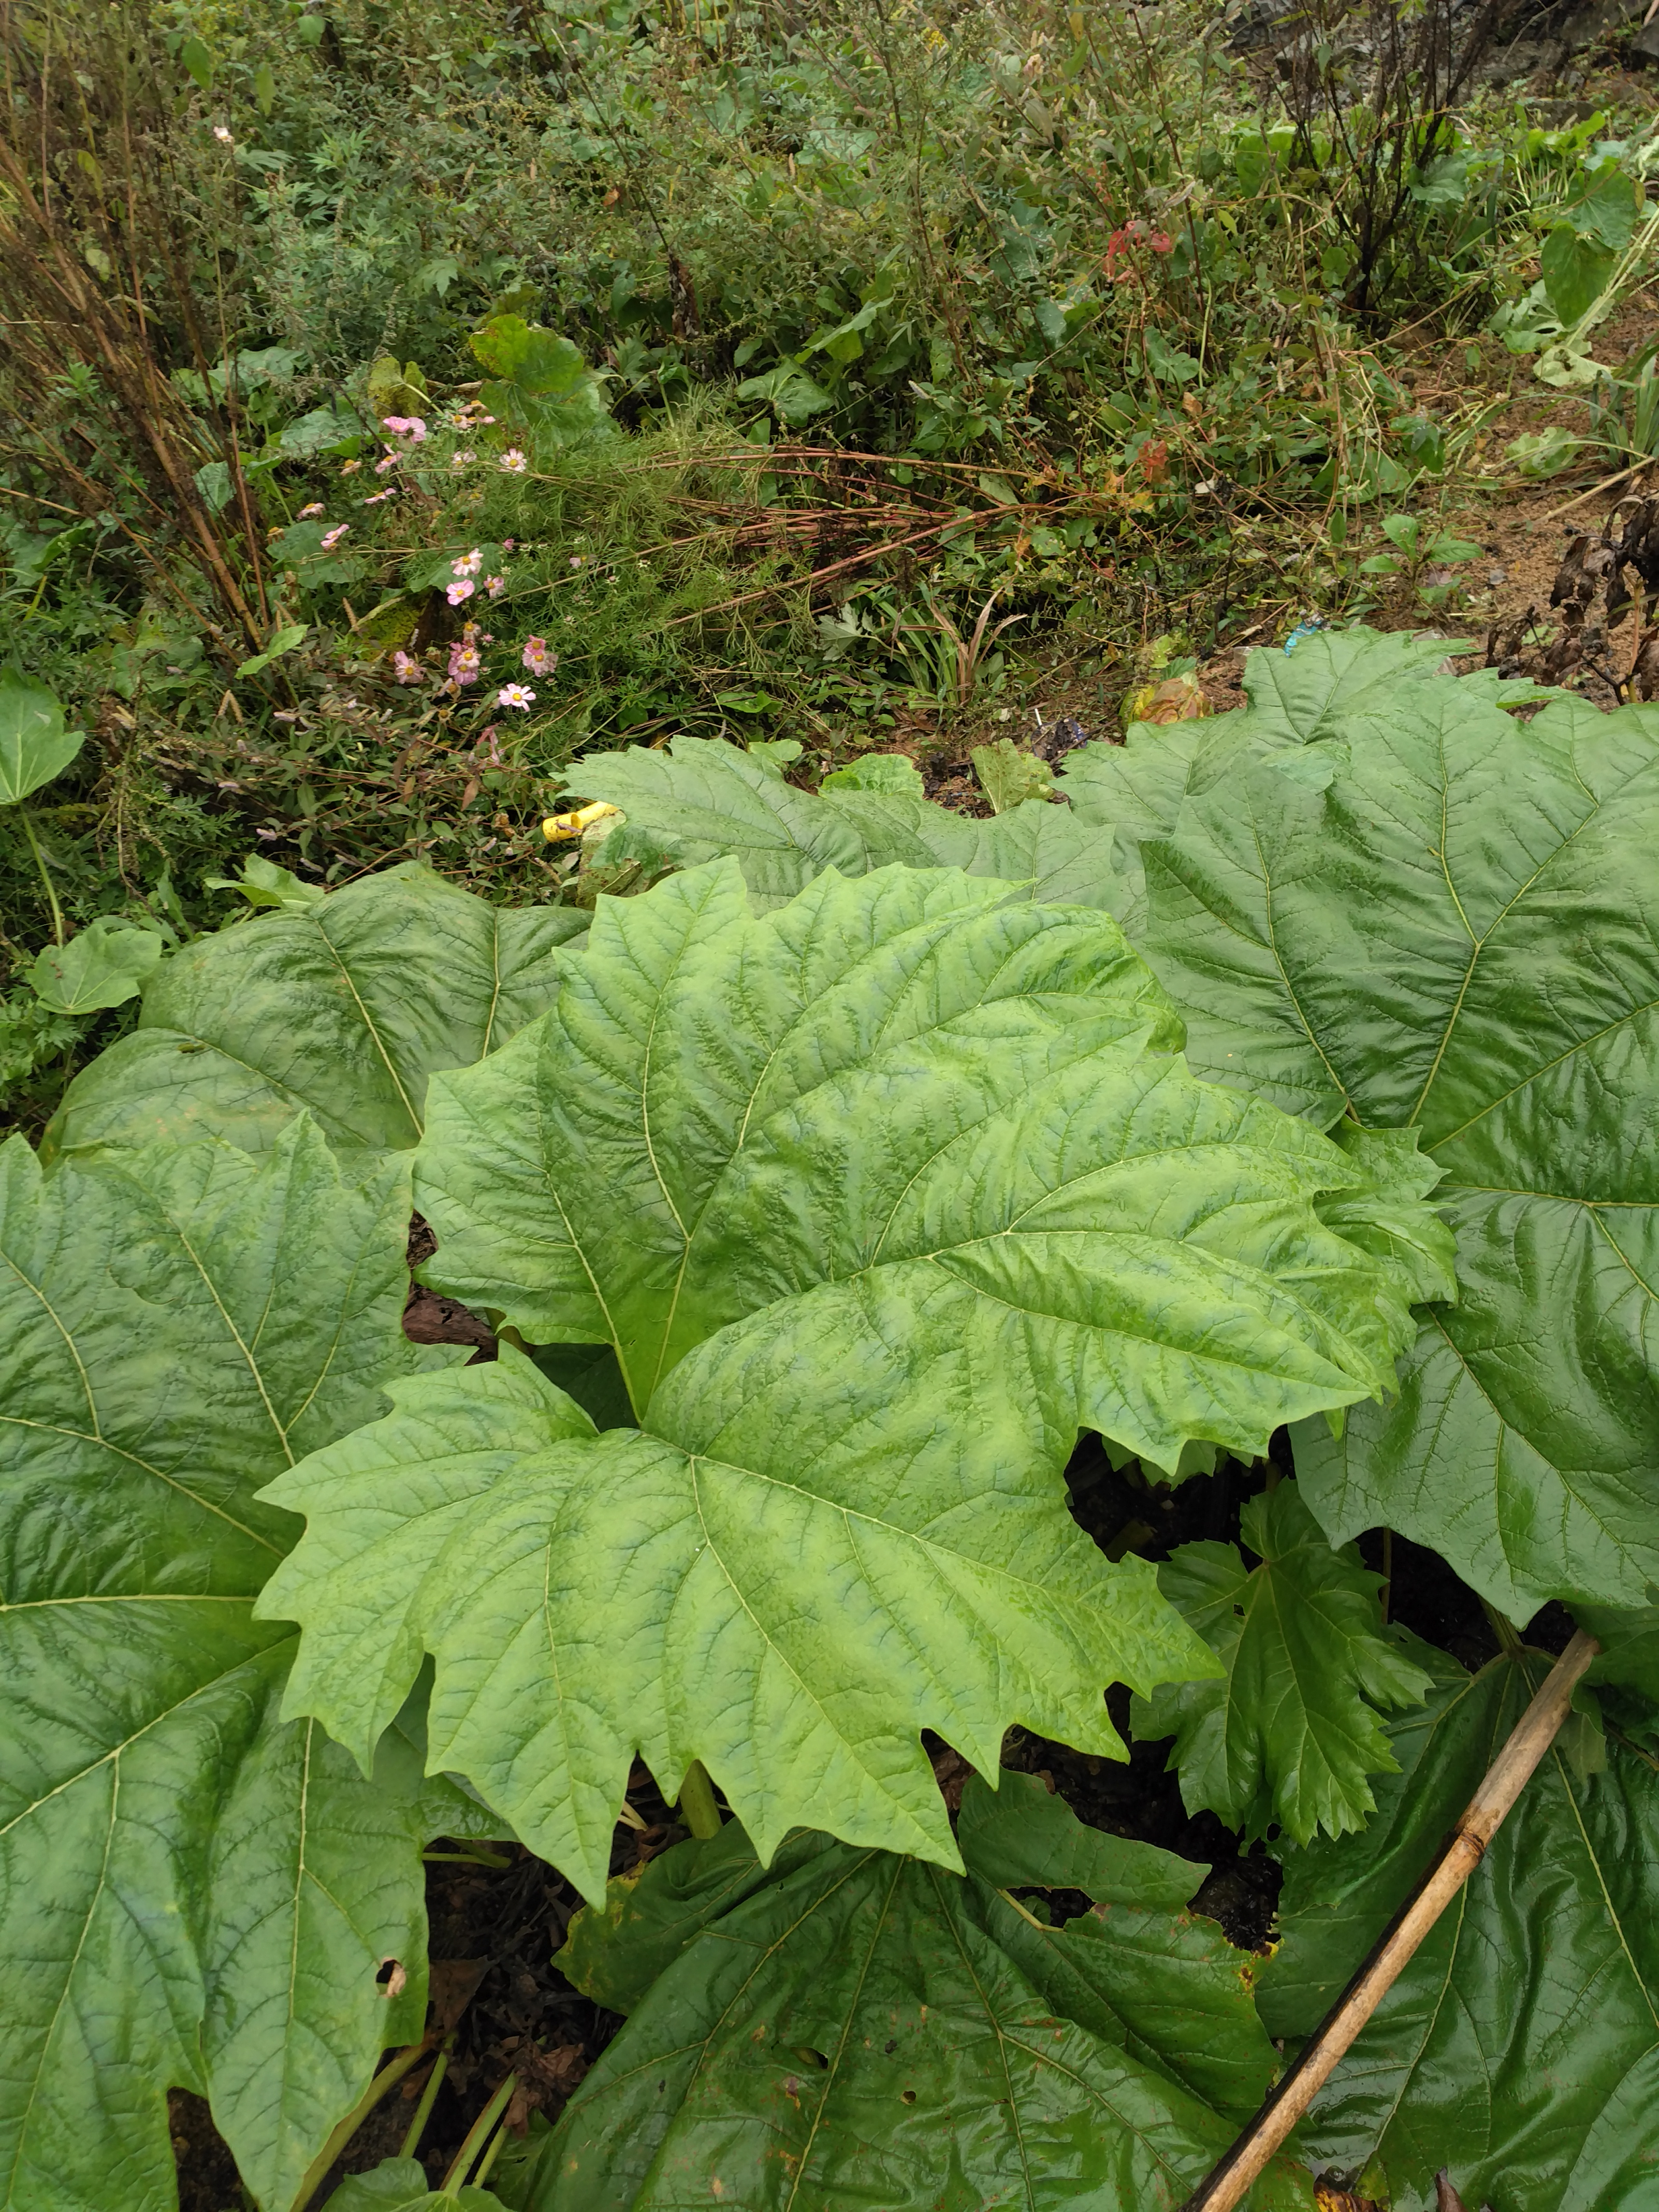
1535,1732
93,237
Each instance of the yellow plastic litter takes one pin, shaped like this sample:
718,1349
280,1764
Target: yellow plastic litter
1177,698
579,819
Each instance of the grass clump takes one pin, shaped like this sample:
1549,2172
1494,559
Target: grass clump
852,376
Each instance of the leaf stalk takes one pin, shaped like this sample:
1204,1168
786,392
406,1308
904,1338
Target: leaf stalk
428,2097
387,2079
46,878
697,1807
475,2135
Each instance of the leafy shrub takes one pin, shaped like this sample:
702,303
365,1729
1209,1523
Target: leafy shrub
1378,892
197,1892
843,1952
790,1307
837,1296
1371,892
817,1198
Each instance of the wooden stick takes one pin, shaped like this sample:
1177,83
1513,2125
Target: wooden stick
1509,1775
1606,484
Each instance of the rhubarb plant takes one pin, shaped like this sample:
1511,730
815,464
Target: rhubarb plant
878,1200
1293,1073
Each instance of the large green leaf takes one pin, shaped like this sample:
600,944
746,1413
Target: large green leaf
793,1569
539,382
702,797
858,2029
880,1198
1460,934
193,1892
105,964
911,1079
34,746
1016,1837
345,1007
1140,789
1292,1732
1520,2047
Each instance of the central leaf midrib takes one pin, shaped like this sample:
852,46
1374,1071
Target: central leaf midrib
373,1031
882,1918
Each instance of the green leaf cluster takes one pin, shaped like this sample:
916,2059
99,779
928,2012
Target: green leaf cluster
196,1893
1288,1737
869,1195
1427,926
820,2031
1520,2045
1296,1069
1456,934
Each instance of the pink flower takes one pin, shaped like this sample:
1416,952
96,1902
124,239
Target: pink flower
538,658
331,538
506,544
462,459
375,497
495,585
575,560
387,461
460,591
465,665
513,462
349,468
406,670
515,695
467,565
315,507
222,134
406,426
